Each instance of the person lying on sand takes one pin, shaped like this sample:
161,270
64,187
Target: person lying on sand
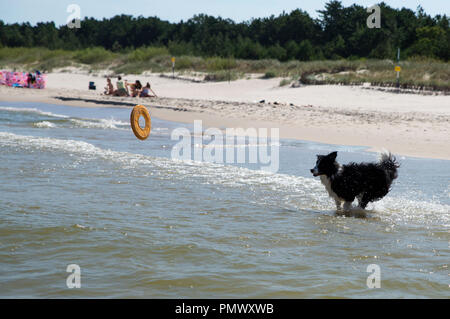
121,88
109,88
146,91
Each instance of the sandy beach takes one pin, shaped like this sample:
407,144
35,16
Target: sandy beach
406,124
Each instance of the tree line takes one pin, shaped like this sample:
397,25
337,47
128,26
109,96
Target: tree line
338,32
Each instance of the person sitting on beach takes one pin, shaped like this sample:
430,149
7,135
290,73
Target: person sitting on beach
121,90
135,88
29,80
146,91
109,88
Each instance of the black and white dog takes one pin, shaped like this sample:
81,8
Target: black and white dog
367,182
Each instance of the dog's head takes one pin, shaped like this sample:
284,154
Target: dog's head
325,164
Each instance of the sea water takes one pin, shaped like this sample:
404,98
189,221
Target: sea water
78,188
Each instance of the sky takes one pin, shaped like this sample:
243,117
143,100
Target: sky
34,11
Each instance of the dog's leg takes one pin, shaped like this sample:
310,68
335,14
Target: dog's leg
363,201
347,206
338,204
362,204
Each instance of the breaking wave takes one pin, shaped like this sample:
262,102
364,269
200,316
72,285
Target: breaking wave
31,110
44,124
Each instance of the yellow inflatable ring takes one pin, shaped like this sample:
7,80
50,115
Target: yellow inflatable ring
138,111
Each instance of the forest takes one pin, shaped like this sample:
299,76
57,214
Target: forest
338,33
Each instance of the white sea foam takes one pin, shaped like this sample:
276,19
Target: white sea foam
44,124
31,110
46,143
294,192
231,145
85,123
101,123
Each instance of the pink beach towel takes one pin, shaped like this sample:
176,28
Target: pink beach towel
20,79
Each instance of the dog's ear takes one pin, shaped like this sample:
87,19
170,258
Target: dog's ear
332,155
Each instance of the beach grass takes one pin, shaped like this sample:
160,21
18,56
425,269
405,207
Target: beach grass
416,72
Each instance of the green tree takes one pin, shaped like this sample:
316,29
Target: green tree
305,51
292,50
339,31
432,42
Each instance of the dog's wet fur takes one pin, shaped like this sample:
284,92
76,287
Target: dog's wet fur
368,182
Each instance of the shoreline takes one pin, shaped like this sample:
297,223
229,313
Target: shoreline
407,126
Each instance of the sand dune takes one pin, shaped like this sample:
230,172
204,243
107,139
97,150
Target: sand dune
407,124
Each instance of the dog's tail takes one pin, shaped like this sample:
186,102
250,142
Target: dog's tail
390,164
